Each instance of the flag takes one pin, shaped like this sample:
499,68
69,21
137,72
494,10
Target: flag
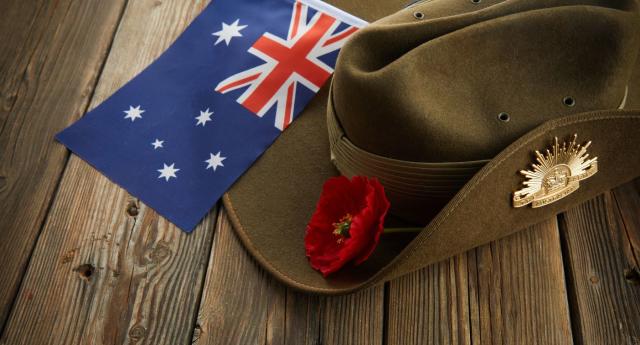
181,132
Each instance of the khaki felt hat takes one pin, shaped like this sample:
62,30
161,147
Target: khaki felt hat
446,102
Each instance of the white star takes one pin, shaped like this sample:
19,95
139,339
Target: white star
204,117
157,144
215,161
168,172
134,113
228,32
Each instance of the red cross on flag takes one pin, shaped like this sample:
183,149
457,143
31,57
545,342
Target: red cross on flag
287,63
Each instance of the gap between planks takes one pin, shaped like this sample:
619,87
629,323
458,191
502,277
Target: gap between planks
146,275
285,315
600,238
36,78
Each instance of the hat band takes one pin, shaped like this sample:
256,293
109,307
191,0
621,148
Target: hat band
406,180
403,179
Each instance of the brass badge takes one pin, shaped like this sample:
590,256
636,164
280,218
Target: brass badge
556,174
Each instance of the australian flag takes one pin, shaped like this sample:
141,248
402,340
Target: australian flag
181,132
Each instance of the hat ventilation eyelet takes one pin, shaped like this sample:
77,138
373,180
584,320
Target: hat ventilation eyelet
475,2
504,117
418,15
569,101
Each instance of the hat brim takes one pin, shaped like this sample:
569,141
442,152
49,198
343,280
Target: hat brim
270,205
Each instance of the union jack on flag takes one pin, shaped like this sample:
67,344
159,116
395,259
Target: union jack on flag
175,144
288,62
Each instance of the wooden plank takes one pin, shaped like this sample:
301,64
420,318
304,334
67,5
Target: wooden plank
511,291
354,319
626,200
106,269
52,53
602,250
243,304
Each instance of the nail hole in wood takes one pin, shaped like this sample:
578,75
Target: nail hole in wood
132,209
85,271
197,333
632,276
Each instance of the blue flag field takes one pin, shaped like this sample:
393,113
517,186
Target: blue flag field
181,132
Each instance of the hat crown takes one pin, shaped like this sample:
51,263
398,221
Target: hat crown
455,80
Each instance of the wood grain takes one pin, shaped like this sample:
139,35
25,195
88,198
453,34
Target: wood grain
600,244
52,53
511,291
106,269
354,319
626,200
243,304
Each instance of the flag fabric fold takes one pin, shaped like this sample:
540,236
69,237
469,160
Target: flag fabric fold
181,132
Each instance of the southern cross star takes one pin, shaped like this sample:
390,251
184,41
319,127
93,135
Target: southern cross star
134,113
204,117
157,144
215,161
228,32
168,171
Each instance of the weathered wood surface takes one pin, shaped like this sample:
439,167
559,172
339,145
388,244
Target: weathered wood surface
602,244
242,304
508,292
107,270
50,57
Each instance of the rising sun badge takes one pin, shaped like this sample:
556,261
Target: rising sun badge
556,174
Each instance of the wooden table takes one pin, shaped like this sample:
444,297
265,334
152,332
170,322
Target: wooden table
85,263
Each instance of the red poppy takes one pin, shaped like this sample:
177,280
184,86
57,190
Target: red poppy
347,223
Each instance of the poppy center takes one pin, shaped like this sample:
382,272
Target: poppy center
342,227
